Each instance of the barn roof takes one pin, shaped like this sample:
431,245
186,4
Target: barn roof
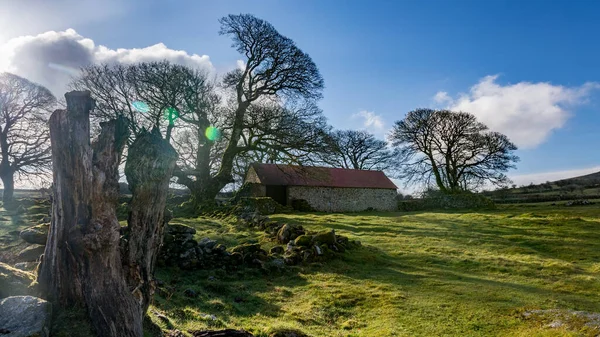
290,175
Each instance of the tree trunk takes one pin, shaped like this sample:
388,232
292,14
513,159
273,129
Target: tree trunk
8,182
150,164
82,263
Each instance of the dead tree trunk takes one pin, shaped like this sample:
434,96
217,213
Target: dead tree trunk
82,263
150,164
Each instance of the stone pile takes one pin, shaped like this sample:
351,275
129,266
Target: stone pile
581,202
295,245
181,250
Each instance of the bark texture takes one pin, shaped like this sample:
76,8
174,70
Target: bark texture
150,164
82,263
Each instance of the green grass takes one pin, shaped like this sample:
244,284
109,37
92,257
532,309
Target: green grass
417,274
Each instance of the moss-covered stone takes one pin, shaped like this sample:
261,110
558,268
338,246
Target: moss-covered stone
15,282
36,234
327,237
304,240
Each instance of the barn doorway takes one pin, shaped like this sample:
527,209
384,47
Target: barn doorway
277,193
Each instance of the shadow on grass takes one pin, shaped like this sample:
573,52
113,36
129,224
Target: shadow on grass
196,295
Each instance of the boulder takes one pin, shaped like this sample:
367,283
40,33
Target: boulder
283,236
31,253
36,234
327,237
289,233
14,282
221,333
247,249
276,250
207,243
25,316
287,333
303,240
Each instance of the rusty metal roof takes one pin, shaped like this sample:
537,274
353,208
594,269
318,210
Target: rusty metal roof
290,175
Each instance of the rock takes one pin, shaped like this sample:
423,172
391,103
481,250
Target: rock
283,236
247,249
25,316
292,259
318,250
276,250
180,229
175,333
277,263
342,240
287,333
327,237
31,253
190,293
221,333
207,243
26,266
237,259
220,249
188,254
36,234
14,282
303,240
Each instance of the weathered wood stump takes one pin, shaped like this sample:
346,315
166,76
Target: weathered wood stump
83,264
150,164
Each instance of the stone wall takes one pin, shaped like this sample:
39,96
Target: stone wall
331,199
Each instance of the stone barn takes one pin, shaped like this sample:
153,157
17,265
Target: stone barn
325,189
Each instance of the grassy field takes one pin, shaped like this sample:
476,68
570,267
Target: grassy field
417,274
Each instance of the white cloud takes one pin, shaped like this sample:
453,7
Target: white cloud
371,121
526,112
442,97
51,58
538,178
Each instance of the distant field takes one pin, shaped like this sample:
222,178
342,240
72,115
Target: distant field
418,274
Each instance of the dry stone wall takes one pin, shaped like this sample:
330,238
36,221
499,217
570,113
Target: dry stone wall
331,199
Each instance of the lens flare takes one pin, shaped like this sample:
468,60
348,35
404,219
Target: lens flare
171,114
140,106
212,133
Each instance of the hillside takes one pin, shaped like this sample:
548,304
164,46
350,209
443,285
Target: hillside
581,187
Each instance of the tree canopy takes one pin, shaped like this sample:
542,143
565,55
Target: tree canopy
24,138
453,149
360,150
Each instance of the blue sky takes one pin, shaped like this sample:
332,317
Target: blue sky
381,59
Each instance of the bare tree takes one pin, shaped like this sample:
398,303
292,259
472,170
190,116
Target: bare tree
452,148
274,67
271,133
24,136
360,150
149,94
